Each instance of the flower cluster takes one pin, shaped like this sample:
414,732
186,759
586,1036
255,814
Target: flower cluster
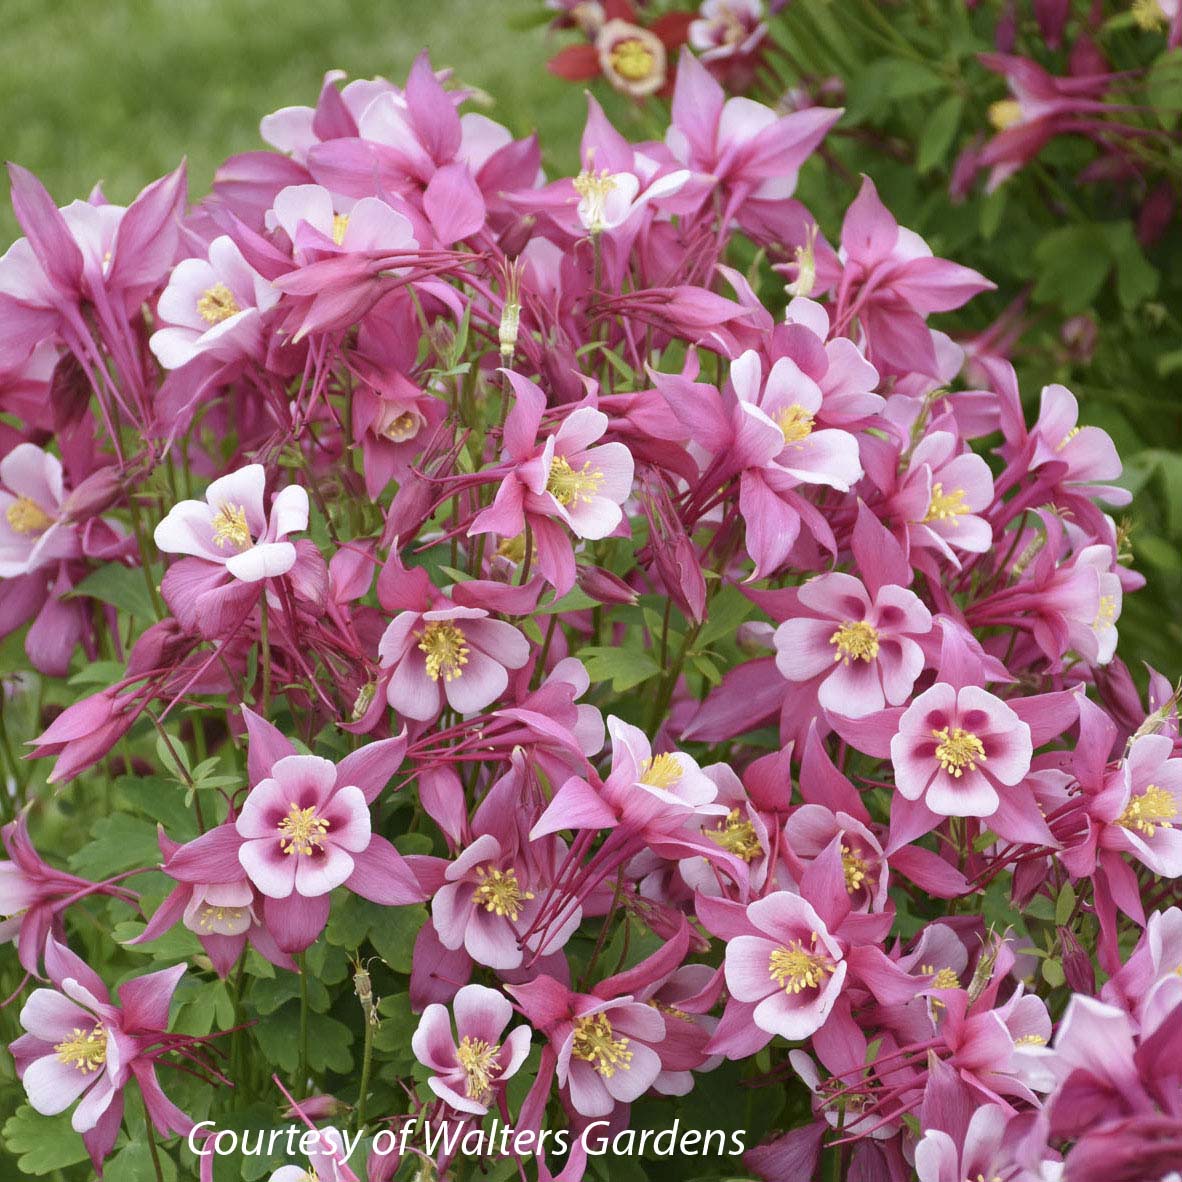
649,678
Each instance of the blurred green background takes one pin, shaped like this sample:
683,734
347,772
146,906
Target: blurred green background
119,92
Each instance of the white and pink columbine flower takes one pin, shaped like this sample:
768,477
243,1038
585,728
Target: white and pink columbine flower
792,971
1145,798
300,829
727,28
212,306
943,493
956,748
232,529
471,1063
315,225
863,650
453,654
32,532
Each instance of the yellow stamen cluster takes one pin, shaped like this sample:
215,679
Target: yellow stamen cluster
594,186
446,649
210,916
340,224
230,528
855,640
479,1061
632,59
216,304
1004,114
1147,15
737,836
946,978
499,892
796,968
594,1044
84,1049
795,423
855,868
1030,1040
958,750
568,486
1067,438
1107,613
301,831
1152,810
27,517
660,771
402,428
946,506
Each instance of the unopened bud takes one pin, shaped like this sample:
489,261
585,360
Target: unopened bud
604,587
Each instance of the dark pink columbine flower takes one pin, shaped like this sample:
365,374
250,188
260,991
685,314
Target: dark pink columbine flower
326,1157
956,748
863,651
810,831
80,1044
563,479
471,1063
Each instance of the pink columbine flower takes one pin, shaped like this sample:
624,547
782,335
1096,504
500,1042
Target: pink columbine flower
212,306
79,1044
232,529
300,829
449,653
326,1158
727,28
472,1063
955,748
317,227
1145,803
791,972
33,533
863,650
561,479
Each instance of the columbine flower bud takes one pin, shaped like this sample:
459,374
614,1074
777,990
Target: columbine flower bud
98,492
603,586
510,311
806,266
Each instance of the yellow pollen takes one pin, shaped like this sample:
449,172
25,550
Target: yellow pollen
794,422
1148,15
340,223
593,185
1004,114
856,640
632,59
446,649
499,892
737,836
1153,809
27,517
958,749
594,1044
301,831
660,771
946,506
514,549
569,487
479,1061
796,968
84,1049
1030,1040
1107,613
855,868
210,916
217,303
1067,438
946,978
230,528
404,427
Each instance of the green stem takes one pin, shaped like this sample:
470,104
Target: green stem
366,1065
265,655
302,1082
152,1149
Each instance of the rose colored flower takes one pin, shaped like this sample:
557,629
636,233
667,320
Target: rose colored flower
212,306
232,528
451,653
792,971
727,28
472,1064
863,651
326,1158
956,748
942,494
317,226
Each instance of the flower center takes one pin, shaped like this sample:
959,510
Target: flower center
660,771
446,649
479,1060
402,428
797,968
84,1049
217,303
27,517
340,223
1030,1040
230,528
632,59
946,978
1148,15
594,1044
1154,809
1004,114
946,506
795,422
856,640
737,836
855,869
958,749
1107,613
499,892
594,187
215,919
302,831
569,487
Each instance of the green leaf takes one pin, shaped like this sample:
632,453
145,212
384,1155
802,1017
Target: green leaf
393,935
117,843
938,133
624,668
121,586
1074,261
727,610
1065,904
133,1163
1164,87
1136,278
328,1041
42,1143
1052,973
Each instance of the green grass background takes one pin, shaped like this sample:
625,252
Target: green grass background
118,91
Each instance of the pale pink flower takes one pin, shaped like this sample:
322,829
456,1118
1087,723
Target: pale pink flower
727,28
32,532
316,224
